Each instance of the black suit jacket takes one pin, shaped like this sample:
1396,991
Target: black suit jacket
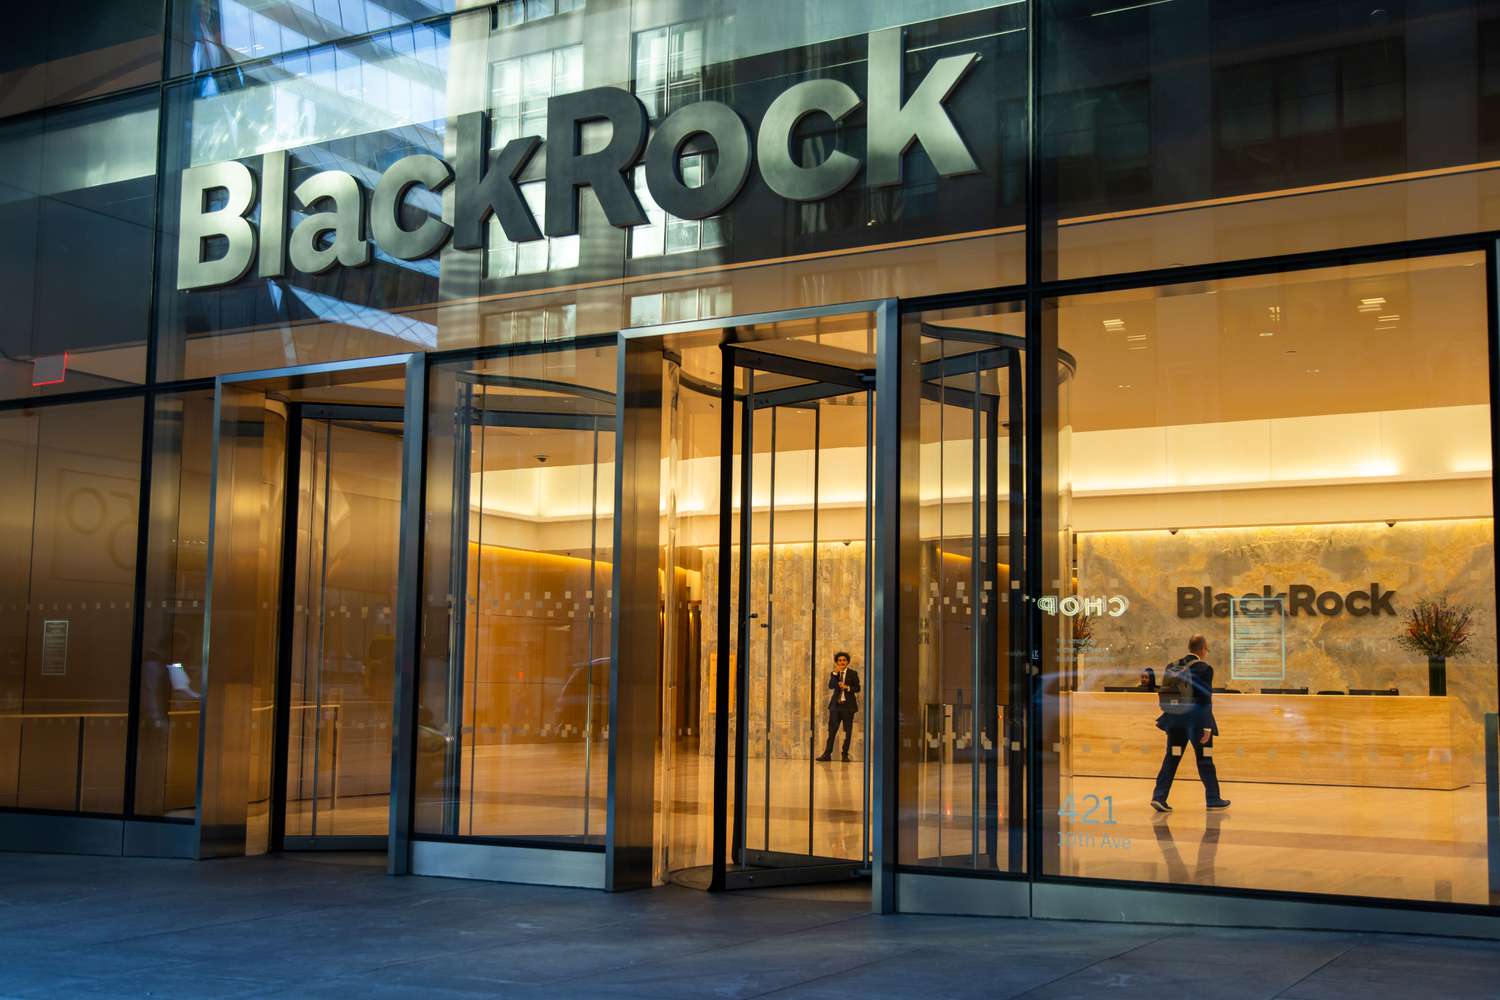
851,696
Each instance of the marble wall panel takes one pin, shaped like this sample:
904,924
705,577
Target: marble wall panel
1419,559
799,661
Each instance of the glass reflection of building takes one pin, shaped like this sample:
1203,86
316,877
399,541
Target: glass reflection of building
529,561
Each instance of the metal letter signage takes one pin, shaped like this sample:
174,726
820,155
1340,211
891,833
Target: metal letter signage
663,158
310,252
781,171
486,185
570,168
385,208
486,182
197,224
895,126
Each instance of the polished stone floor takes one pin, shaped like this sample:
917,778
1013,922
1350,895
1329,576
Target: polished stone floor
337,926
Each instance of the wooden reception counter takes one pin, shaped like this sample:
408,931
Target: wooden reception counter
1360,740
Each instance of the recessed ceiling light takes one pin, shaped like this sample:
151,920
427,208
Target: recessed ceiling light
1114,324
1372,305
1138,347
1312,371
1267,333
1123,385
1388,318
1136,336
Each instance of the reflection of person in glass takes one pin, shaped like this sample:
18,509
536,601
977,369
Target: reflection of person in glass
165,685
843,703
1186,698
1148,680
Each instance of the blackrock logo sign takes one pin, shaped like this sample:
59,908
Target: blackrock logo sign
1298,599
338,228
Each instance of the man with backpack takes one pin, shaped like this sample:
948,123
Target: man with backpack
1186,697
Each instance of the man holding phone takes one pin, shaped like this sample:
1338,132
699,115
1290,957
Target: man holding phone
842,703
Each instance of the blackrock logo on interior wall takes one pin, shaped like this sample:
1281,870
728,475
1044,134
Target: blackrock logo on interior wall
1298,599
218,198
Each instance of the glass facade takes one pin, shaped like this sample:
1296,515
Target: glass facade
478,427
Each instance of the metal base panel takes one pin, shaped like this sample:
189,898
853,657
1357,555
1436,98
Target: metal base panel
42,833
494,863
962,897
349,843
160,840
760,878
1055,901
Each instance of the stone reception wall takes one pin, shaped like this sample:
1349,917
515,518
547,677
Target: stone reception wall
1330,653
798,692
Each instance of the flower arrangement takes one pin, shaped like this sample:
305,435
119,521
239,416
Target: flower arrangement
1083,631
1437,629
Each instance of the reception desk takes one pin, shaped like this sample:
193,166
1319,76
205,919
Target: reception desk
1352,740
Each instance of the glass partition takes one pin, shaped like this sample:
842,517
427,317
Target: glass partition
57,54
71,486
361,106
173,619
78,207
514,686
1279,552
963,702
1190,133
343,641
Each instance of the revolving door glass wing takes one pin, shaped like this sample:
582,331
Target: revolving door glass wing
767,521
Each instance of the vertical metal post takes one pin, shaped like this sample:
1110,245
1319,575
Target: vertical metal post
322,608
144,507
1017,735
868,574
976,626
286,622
588,685
636,638
742,681
897,397
1492,800
770,628
722,624
409,616
812,671
988,647
465,419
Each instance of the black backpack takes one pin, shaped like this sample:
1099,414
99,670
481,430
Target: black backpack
1175,695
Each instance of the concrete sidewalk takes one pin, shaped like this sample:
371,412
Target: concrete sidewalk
336,926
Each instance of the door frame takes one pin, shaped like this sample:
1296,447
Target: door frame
286,628
634,679
772,867
221,826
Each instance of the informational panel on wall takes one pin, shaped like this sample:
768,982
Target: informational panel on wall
1257,638
55,647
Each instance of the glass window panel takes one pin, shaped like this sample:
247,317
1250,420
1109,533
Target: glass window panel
207,34
528,563
1258,461
1347,130
78,209
963,699
172,636
362,105
61,53
72,485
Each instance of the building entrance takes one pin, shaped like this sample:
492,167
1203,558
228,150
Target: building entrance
338,628
767,530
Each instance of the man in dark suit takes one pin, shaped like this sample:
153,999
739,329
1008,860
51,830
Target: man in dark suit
842,703
1188,718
